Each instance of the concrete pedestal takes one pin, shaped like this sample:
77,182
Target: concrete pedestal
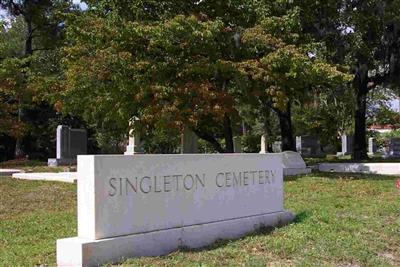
77,251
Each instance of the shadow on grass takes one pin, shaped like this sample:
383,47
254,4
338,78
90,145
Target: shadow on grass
352,176
263,230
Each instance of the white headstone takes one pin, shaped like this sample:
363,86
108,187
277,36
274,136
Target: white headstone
153,204
263,144
134,142
372,147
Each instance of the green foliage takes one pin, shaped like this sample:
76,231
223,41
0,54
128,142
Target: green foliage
193,65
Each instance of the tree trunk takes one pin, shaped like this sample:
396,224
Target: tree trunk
28,52
285,123
360,133
210,139
28,40
18,152
228,134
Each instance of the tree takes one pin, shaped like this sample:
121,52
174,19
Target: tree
283,68
28,57
363,35
173,67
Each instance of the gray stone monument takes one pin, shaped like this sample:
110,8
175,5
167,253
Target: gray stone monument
372,147
394,147
347,144
277,147
237,144
308,146
70,144
189,144
134,143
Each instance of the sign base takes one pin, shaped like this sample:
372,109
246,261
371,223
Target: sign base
77,251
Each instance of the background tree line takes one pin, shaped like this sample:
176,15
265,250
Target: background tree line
221,68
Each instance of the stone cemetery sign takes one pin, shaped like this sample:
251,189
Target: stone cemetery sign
70,144
149,205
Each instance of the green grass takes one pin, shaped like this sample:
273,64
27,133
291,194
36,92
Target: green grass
34,166
377,158
342,220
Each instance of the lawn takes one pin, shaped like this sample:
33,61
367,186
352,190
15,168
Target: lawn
342,220
34,166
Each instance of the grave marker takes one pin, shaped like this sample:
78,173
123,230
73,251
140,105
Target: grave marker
189,142
237,144
277,147
263,144
372,147
70,144
347,144
134,142
308,146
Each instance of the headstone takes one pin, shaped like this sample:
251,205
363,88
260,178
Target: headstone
237,144
372,147
189,142
134,142
70,144
154,204
293,164
347,144
263,144
277,147
394,147
308,146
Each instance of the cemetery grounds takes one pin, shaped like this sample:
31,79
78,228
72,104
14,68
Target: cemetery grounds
342,220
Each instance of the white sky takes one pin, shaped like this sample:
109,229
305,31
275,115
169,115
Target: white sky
81,4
